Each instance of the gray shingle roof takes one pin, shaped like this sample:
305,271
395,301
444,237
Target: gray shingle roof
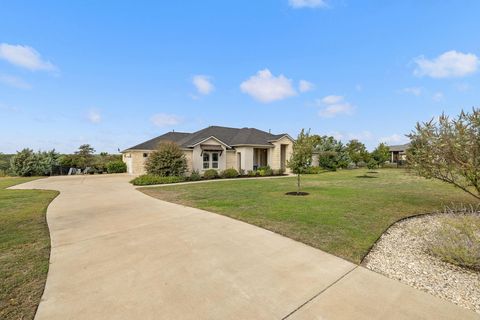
229,136
399,148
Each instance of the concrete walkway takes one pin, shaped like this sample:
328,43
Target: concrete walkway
119,254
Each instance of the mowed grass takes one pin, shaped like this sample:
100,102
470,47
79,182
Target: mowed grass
24,248
344,214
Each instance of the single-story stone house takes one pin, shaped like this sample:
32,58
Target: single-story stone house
219,148
398,153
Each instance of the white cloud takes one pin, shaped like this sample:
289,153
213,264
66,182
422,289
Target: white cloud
462,87
332,99
14,82
358,87
305,86
448,65
416,91
360,136
335,105
265,87
25,57
438,96
203,84
394,139
165,120
307,3
94,116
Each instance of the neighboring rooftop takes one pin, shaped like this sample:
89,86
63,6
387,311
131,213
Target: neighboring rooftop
229,136
399,148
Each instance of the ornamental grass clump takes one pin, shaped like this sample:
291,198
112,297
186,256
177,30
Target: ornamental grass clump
457,240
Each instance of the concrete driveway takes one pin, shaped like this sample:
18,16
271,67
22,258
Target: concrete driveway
119,254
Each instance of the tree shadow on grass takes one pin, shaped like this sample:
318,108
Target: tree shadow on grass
367,177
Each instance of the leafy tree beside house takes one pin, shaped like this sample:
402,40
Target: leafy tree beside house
332,154
381,154
301,158
448,150
168,160
357,152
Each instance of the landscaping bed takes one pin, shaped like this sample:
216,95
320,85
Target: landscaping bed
439,254
24,248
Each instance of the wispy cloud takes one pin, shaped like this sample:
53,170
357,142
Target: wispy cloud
94,116
297,4
416,91
334,106
394,139
165,120
266,87
25,57
438,96
15,82
305,86
450,64
203,84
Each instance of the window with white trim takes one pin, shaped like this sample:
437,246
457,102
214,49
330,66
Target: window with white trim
206,160
210,160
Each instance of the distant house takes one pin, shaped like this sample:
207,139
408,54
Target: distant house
398,153
219,148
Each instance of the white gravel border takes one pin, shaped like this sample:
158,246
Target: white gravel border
400,254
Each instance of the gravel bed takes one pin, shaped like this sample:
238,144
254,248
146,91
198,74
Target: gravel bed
400,254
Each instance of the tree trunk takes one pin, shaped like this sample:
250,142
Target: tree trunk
298,183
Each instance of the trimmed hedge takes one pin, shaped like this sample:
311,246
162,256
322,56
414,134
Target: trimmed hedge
210,174
230,173
116,167
149,179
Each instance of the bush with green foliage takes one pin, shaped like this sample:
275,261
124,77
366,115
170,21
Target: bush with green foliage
251,173
210,174
229,173
332,154
5,161
116,167
195,176
27,163
315,170
372,164
168,160
150,179
265,171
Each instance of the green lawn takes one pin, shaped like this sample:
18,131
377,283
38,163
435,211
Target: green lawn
24,248
344,214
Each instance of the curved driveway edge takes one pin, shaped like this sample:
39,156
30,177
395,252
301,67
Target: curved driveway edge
120,254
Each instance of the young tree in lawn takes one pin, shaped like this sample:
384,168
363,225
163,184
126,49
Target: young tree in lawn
381,154
357,151
168,160
301,158
448,150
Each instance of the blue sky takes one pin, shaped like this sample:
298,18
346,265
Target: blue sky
115,73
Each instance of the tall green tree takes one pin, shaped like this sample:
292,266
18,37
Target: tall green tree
357,151
332,154
301,158
448,150
381,154
84,156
